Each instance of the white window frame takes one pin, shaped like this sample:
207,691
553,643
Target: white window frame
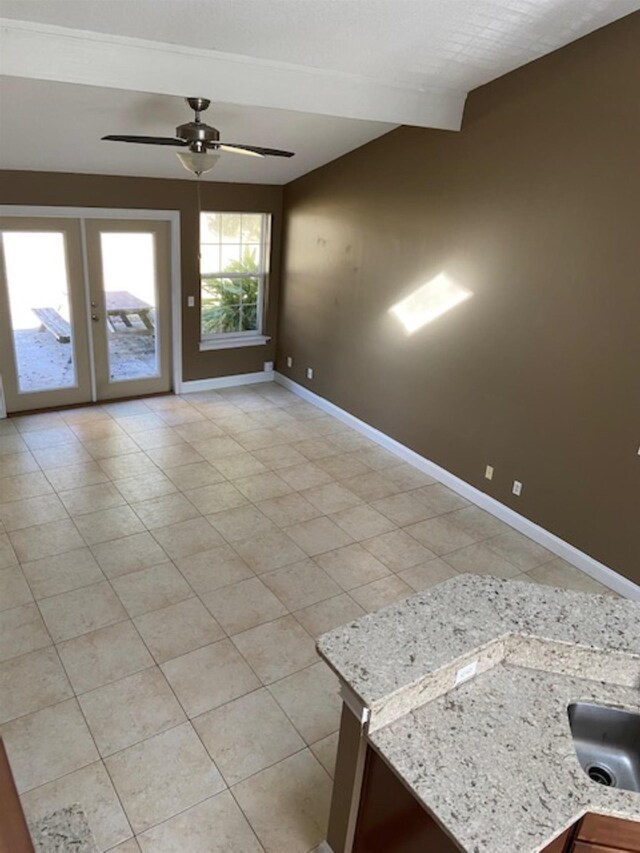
232,340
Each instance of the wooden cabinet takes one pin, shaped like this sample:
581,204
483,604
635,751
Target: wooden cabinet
391,819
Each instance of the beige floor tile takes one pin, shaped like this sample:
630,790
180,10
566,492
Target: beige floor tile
408,477
62,573
480,560
311,700
17,463
18,515
318,535
31,682
46,540
96,430
209,677
371,486
247,735
165,510
343,466
288,510
178,415
214,449
332,497
279,456
178,629
108,524
7,554
163,775
91,498
561,574
114,445
363,522
259,487
255,439
130,465
478,523
276,649
79,611
22,630
14,589
174,454
92,789
519,550
152,588
162,437
130,846
378,594
212,569
269,551
128,554
102,656
315,448
325,750
193,475
216,497
40,420
288,804
76,476
329,614
51,437
352,566
241,522
123,408
427,574
198,430
132,424
439,499
36,757
188,537
440,535
402,508
377,458
239,465
24,486
12,443
130,710
305,476
244,605
301,584
215,826
146,487
398,550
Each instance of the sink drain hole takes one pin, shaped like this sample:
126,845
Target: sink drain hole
601,775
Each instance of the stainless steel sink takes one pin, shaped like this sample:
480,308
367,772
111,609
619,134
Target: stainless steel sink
607,742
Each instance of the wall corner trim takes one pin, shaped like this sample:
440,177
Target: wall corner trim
598,571
225,382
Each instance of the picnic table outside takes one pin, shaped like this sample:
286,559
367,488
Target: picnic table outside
121,303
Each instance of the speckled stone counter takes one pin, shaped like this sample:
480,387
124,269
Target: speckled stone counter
492,758
63,831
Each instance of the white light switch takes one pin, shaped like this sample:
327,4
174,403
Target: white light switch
309,372
289,361
488,472
517,488
191,302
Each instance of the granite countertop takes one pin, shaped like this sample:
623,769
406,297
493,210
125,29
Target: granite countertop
492,758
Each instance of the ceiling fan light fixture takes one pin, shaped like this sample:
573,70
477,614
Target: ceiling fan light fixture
197,162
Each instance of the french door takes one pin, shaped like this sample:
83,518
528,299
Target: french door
84,310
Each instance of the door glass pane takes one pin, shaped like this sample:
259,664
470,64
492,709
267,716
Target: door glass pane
129,279
38,291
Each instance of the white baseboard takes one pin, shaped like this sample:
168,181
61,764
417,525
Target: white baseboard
226,381
598,571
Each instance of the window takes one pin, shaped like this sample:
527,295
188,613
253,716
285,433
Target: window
234,252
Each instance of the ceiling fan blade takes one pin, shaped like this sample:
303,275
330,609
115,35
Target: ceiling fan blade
251,149
147,140
234,150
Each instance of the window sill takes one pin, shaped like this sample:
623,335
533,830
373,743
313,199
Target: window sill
234,343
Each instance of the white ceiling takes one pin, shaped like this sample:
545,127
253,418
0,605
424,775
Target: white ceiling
76,117
319,77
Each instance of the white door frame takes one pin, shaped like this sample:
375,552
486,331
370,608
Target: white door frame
171,216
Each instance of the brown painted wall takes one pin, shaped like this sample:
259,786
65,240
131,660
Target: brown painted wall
535,207
58,189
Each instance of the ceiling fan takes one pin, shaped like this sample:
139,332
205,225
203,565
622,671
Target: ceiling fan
198,138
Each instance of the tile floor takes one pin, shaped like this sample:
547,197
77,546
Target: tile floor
165,565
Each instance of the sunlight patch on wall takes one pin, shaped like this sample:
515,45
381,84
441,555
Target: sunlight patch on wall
429,302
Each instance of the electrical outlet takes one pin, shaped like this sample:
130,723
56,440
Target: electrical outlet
268,367
517,488
309,372
289,361
488,472
191,302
